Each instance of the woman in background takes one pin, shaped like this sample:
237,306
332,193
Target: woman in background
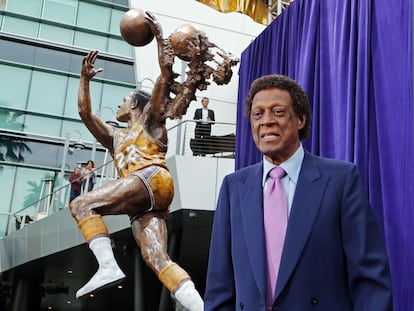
88,176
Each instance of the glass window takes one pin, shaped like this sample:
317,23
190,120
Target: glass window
113,94
42,125
56,34
11,120
46,154
76,62
116,21
117,45
41,154
120,47
62,11
26,195
13,148
31,8
71,101
16,52
74,157
14,86
90,41
47,93
3,219
95,89
6,185
94,17
71,128
108,113
49,58
20,26
78,157
119,72
120,2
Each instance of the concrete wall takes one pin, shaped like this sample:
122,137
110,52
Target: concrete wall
197,181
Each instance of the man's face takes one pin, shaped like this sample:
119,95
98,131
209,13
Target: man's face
77,171
204,103
124,109
274,124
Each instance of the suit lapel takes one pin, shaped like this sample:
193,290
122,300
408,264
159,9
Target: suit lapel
305,207
251,198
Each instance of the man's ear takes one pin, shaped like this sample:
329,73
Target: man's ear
301,121
134,104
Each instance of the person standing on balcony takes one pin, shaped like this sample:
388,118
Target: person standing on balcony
75,179
205,118
88,176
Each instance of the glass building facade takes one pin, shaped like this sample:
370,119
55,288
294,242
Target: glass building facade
42,44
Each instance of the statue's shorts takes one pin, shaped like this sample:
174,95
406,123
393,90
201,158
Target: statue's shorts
160,186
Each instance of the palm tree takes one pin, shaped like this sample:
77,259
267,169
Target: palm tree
12,148
33,193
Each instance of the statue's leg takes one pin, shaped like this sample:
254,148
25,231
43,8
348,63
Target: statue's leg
108,272
150,233
111,199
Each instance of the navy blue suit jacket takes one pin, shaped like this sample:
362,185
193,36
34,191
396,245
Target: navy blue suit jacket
198,114
333,259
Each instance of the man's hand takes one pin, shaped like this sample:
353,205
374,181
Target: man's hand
88,70
154,25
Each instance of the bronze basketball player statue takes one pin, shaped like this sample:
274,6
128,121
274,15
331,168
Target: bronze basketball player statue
145,188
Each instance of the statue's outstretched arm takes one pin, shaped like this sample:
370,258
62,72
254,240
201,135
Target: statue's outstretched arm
101,131
161,91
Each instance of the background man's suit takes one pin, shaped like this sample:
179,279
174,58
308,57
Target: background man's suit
329,198
203,129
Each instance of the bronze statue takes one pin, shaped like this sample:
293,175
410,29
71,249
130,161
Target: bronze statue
145,188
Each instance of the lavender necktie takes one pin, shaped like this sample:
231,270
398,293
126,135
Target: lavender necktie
275,223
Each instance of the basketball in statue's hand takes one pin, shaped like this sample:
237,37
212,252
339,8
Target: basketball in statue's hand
135,29
189,42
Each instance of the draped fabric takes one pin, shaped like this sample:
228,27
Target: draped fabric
354,60
256,9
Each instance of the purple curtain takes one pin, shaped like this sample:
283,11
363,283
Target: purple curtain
354,60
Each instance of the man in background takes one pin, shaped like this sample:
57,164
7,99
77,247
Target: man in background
204,118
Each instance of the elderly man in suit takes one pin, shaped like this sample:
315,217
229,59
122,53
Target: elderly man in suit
331,253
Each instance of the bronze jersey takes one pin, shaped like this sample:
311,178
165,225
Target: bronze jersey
136,149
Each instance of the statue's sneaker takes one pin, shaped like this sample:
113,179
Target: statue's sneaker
104,277
179,306
187,298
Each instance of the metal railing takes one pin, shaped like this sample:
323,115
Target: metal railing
181,142
219,144
57,199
